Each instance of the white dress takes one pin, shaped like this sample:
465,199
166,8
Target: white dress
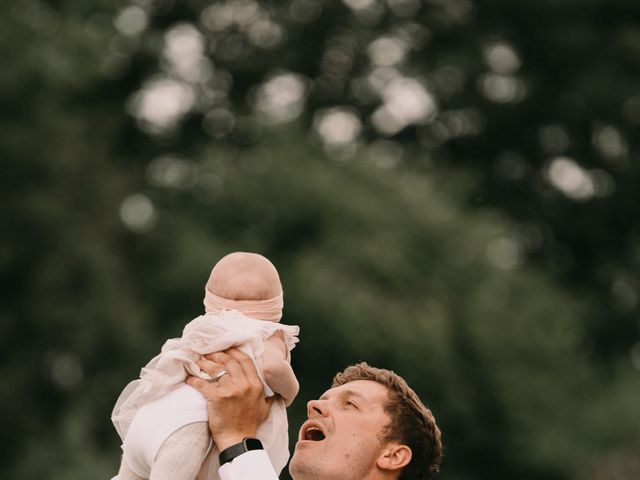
151,408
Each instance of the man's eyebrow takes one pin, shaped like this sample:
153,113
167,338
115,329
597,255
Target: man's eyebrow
345,393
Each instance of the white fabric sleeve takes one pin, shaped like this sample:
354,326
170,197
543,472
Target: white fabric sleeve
252,465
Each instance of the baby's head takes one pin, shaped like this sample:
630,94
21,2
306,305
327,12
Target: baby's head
246,282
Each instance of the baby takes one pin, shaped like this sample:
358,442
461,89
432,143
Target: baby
163,421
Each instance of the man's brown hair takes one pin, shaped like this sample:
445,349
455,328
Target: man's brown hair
412,424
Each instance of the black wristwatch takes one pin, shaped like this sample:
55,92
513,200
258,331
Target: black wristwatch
238,449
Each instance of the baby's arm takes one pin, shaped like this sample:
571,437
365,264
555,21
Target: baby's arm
277,370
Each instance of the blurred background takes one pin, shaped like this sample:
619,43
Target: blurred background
449,189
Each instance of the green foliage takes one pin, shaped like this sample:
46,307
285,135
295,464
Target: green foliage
443,249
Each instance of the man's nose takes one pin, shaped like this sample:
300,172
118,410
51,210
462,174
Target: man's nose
317,408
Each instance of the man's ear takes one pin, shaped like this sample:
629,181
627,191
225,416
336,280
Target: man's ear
395,456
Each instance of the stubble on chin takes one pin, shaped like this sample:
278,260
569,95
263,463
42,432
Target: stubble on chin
299,469
295,469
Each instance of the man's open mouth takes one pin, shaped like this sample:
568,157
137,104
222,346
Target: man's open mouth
312,433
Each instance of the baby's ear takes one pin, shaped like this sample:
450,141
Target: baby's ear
395,456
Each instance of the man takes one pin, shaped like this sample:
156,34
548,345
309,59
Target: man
369,426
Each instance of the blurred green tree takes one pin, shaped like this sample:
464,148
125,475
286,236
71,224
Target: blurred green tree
446,187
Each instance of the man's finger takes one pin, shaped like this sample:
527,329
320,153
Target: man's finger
244,362
212,368
228,363
199,384
217,357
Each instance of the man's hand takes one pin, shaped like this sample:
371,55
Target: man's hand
235,403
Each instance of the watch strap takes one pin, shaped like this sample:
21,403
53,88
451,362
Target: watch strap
246,445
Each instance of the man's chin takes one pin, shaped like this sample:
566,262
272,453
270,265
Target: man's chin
300,455
294,463
298,467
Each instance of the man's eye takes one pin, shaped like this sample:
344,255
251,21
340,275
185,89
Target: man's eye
349,403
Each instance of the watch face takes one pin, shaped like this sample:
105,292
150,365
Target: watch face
252,444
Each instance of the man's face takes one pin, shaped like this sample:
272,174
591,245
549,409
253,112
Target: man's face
342,438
